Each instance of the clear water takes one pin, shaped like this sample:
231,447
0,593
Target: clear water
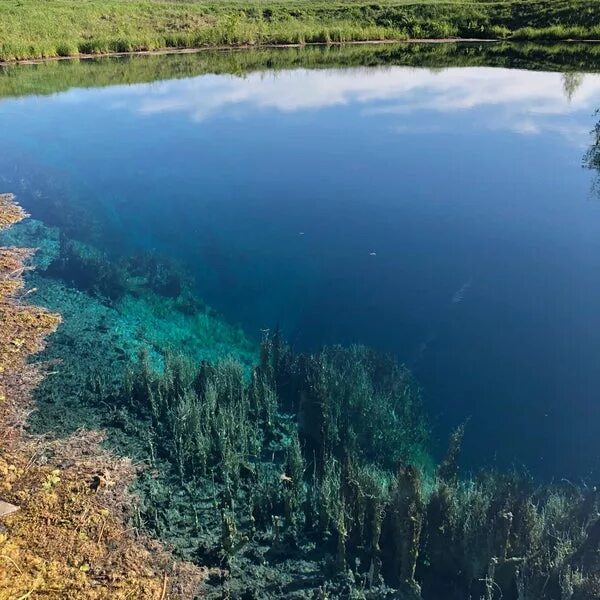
442,215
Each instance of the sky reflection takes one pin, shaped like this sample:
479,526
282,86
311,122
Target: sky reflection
521,102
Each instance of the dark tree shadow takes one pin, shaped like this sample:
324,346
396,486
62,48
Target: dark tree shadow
591,159
572,81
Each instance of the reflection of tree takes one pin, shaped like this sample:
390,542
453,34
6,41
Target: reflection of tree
591,160
571,83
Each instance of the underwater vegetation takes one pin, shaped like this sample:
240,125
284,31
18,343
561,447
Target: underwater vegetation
90,270
305,446
321,459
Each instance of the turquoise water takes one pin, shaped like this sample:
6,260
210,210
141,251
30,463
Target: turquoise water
441,215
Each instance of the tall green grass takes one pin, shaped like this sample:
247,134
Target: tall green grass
558,33
32,29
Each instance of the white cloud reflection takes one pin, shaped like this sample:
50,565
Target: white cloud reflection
523,102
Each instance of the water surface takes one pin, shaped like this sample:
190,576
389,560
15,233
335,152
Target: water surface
439,214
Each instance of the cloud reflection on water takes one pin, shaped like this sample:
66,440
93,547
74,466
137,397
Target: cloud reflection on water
522,102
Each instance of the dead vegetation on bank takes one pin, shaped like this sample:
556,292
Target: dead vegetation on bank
64,504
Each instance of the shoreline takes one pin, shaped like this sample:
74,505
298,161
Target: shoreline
58,533
230,47
244,47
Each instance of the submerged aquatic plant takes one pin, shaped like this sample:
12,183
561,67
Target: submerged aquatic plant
201,416
295,455
87,268
318,458
349,402
310,443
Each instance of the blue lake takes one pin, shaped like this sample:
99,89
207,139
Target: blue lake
442,215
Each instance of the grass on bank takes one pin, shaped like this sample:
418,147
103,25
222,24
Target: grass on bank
53,28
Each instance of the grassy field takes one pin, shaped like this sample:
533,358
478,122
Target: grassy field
51,28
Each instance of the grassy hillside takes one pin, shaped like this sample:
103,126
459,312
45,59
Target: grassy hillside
50,28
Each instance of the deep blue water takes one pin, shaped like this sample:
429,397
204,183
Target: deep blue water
441,215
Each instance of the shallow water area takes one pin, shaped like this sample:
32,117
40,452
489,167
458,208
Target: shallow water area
440,214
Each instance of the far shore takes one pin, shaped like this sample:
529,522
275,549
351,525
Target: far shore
222,48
